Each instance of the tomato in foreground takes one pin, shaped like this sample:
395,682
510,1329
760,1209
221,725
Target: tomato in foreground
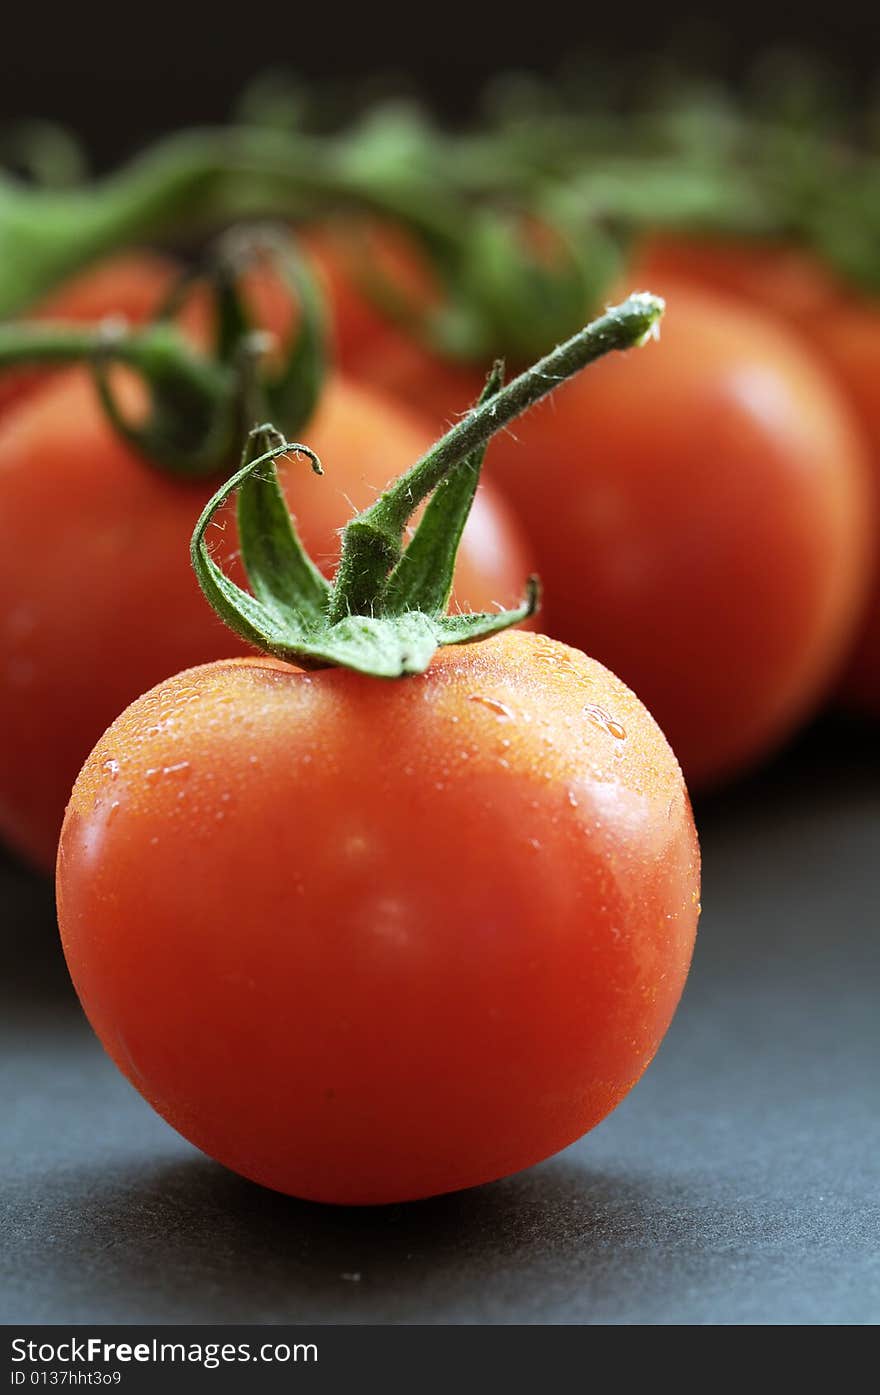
841,327
99,599
366,941
702,517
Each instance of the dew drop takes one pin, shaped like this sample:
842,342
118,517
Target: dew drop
604,720
499,708
112,768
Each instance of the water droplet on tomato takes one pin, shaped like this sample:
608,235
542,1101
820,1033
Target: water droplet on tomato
499,709
156,770
603,719
112,768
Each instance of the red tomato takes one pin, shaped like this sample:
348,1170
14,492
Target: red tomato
365,941
439,389
133,284
843,329
96,549
701,514
369,345
341,252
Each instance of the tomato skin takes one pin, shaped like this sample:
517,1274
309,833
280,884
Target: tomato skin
701,512
132,284
408,372
338,252
369,345
365,942
841,326
99,599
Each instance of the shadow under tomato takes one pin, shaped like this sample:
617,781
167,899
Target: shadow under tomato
34,971
190,1242
833,752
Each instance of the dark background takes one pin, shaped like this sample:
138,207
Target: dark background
120,76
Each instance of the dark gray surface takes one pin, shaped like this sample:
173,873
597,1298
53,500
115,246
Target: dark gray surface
737,1184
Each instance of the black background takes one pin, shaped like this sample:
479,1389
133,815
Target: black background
120,75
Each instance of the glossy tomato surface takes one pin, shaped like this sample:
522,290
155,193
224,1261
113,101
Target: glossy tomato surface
364,941
701,510
841,326
99,599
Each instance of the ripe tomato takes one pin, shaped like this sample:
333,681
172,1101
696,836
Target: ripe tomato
701,515
97,547
365,941
133,284
340,251
843,329
369,345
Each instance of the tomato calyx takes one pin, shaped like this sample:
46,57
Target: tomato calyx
200,403
384,614
201,436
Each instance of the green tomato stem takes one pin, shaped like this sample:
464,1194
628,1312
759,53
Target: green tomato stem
198,178
201,402
154,348
372,541
385,615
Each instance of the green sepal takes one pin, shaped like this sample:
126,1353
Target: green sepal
293,393
286,603
193,420
382,648
466,628
233,324
286,612
200,404
283,577
381,617
504,296
422,579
